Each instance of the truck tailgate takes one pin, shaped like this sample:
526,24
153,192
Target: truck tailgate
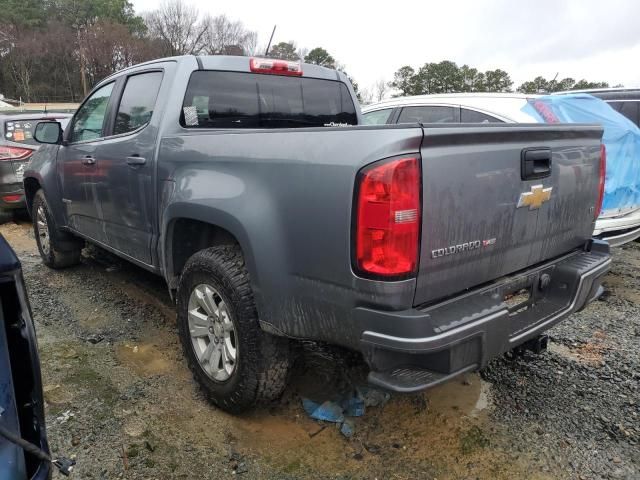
477,225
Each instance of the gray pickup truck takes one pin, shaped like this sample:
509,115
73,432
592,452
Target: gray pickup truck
250,186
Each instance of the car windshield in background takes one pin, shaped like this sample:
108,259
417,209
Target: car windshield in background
251,100
20,131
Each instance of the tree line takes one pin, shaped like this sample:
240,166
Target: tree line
56,50
448,77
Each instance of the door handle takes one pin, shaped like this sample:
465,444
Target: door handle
136,161
89,160
535,163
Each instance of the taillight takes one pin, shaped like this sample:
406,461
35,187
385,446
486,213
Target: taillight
14,153
275,67
545,111
388,216
603,174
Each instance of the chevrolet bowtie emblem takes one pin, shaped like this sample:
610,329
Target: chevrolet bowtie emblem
535,198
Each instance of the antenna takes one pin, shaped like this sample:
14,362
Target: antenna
266,53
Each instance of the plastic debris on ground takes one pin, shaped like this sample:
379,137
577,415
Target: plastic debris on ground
341,408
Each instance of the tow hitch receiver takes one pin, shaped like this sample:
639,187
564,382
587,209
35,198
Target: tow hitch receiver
535,345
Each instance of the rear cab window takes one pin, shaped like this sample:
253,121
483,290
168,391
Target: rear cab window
216,99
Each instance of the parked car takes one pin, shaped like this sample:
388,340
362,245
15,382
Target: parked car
251,187
625,101
619,221
16,147
21,400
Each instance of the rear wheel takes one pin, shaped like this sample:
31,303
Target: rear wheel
233,360
58,249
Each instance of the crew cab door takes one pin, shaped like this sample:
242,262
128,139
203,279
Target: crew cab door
126,164
78,163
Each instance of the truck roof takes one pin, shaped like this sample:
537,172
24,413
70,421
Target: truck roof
235,64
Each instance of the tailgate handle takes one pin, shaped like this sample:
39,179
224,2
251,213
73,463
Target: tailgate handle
536,163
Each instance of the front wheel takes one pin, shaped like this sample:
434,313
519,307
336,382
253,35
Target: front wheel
232,359
58,249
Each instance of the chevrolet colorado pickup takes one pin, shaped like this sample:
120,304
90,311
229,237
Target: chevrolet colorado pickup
251,187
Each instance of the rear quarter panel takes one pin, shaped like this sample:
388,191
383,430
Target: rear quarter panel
286,196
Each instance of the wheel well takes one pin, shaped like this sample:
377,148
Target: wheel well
190,236
31,186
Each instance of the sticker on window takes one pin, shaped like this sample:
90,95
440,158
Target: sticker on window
190,115
18,136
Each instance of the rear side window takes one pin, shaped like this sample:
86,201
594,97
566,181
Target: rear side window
429,114
378,117
628,109
471,116
253,100
137,102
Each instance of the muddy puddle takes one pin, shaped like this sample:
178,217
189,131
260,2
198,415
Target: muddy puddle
143,359
444,432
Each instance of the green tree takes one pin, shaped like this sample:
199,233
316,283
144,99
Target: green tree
584,84
542,85
404,81
497,81
21,14
472,80
319,56
284,51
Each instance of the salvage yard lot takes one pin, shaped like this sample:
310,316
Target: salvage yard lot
121,399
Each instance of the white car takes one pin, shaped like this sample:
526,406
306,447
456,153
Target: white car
617,226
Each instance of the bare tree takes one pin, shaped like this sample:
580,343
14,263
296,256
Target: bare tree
111,47
227,37
381,88
365,96
177,27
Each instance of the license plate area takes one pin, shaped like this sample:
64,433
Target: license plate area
518,301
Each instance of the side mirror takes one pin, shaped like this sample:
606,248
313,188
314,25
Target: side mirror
48,132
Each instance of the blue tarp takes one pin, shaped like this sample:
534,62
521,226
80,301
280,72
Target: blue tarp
621,138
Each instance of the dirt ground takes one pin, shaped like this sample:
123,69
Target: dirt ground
120,399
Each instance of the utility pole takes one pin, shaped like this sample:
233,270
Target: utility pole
266,53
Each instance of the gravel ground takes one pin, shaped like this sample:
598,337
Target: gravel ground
121,400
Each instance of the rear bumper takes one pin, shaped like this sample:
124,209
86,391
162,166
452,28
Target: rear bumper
7,191
619,230
415,349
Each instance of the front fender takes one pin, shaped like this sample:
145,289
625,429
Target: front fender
42,169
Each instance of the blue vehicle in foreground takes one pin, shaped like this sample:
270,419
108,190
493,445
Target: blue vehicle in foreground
24,451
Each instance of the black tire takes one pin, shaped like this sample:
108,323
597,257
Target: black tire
63,249
5,216
263,361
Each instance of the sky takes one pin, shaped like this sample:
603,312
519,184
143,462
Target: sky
591,39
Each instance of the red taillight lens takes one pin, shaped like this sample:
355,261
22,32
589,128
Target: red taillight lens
14,153
545,112
388,216
12,198
603,175
275,67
